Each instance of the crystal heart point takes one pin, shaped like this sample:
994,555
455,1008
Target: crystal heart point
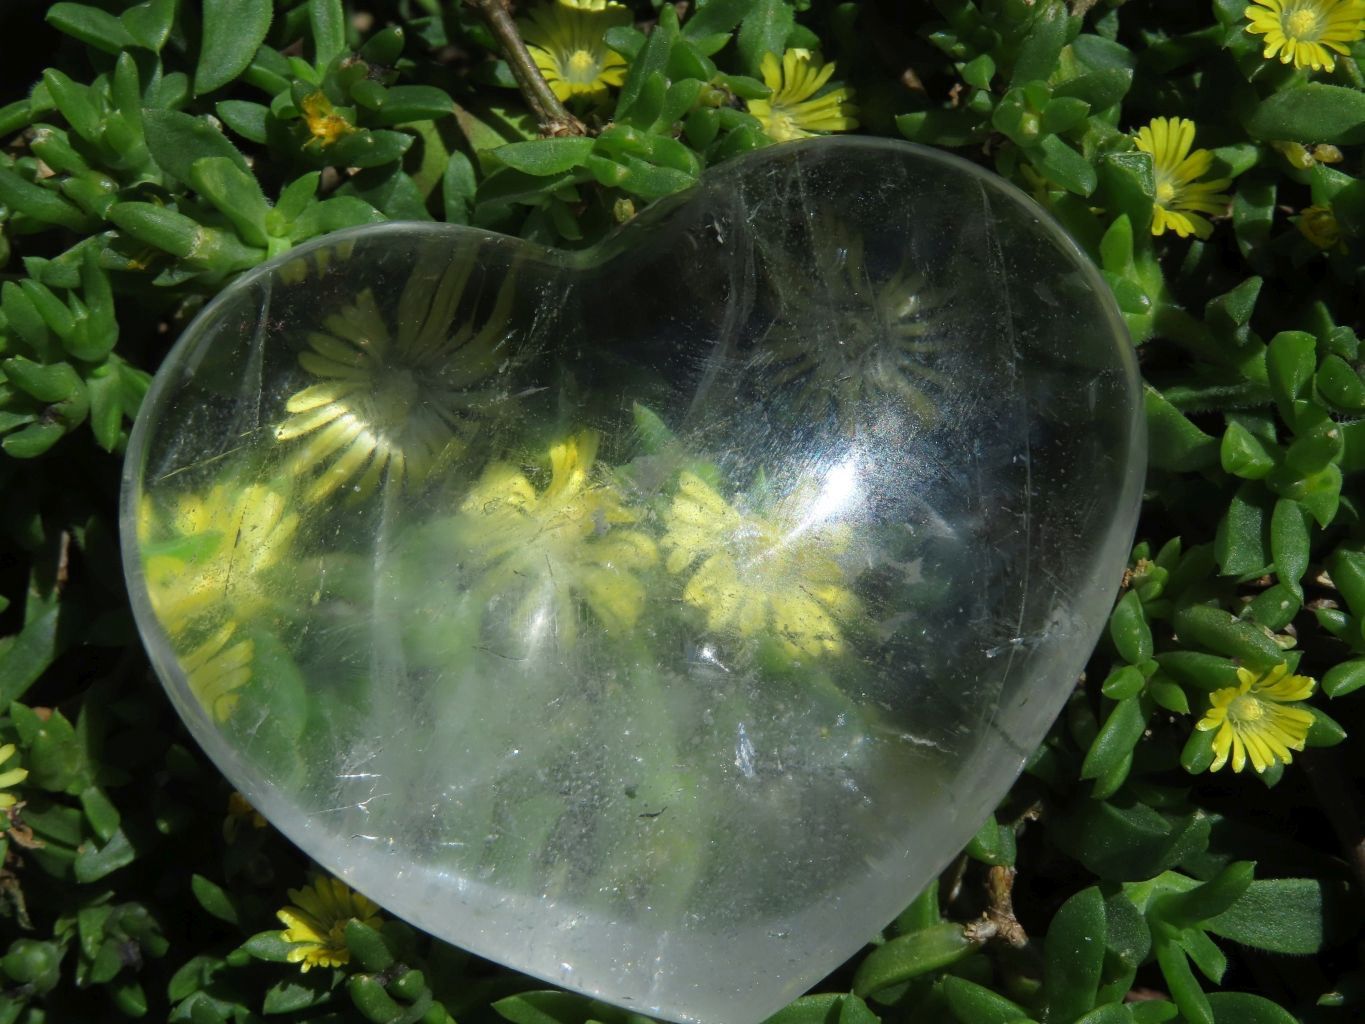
656,619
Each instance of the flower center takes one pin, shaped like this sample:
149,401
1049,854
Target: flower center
1165,191
395,399
1246,709
1301,24
581,67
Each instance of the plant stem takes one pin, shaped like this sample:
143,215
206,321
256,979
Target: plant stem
553,117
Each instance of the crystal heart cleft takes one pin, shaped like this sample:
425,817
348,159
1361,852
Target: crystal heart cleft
656,619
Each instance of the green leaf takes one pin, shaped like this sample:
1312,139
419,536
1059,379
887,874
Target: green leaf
1340,384
1122,683
716,16
236,194
1128,843
1182,984
91,25
1289,542
1100,89
764,31
818,1009
297,992
1316,112
1037,57
1300,916
233,30
247,119
407,103
93,863
459,184
1110,1013
910,956
150,22
1174,443
42,204
370,149
971,1003
1114,743
653,60
1243,454
550,1007
1245,1008
1074,952
1291,360
176,140
1225,634
214,900
1190,908
545,156
1059,162
26,656
102,815
1242,543
327,18
1325,731
269,946
1129,630
992,844
76,104
368,947
1344,678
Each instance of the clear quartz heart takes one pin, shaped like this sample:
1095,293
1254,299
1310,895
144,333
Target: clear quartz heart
656,619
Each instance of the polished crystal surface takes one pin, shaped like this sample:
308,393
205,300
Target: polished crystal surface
656,619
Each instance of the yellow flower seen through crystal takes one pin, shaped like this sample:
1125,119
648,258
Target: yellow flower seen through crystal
567,41
573,538
212,552
240,814
850,332
325,125
217,669
316,922
775,575
9,777
393,403
794,110
1305,32
1255,719
1181,198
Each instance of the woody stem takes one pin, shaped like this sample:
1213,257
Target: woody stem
553,117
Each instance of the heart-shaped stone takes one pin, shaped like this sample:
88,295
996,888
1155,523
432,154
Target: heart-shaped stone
655,619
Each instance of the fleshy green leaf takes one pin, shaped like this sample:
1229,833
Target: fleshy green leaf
233,30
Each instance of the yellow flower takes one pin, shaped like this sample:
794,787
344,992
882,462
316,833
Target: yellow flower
567,42
1301,158
12,777
1180,196
215,671
1319,225
316,922
215,552
394,403
554,544
1305,31
775,575
794,111
848,333
1252,719
325,125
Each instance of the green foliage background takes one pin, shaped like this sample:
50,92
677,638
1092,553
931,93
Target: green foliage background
166,147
